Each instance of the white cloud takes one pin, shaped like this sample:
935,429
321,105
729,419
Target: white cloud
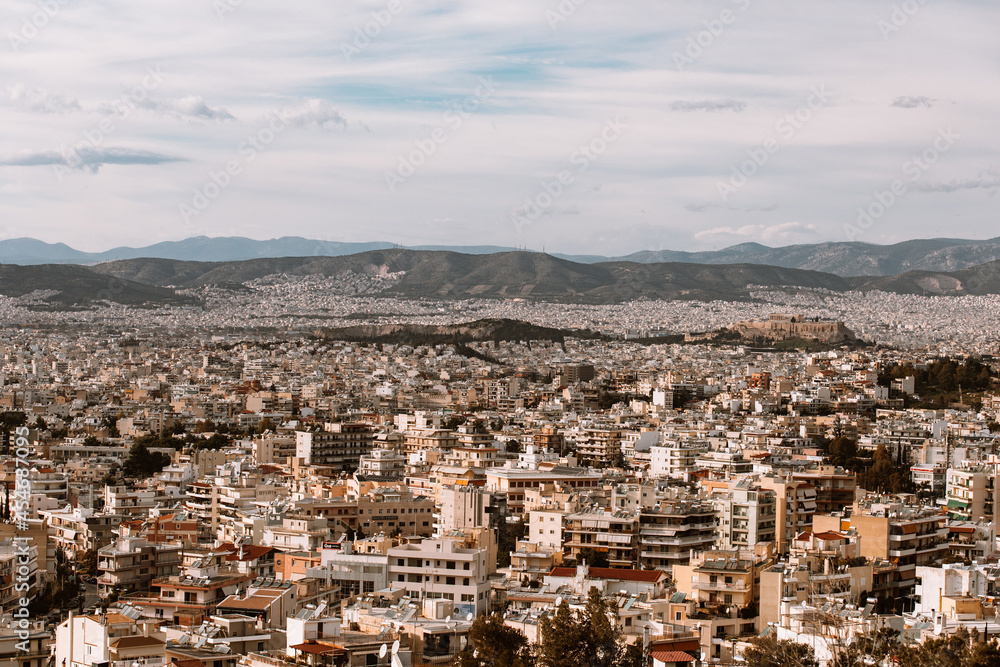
36,100
786,232
190,107
314,113
709,105
912,102
86,158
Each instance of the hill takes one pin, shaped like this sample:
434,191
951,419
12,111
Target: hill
479,330
526,275
843,258
77,285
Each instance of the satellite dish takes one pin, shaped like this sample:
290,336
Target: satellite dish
382,651
395,648
469,617
447,619
558,600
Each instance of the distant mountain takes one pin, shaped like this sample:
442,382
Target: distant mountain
843,259
77,285
527,275
26,251
449,275
975,280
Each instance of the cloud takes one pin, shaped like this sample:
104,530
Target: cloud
190,107
912,102
700,208
705,206
724,104
88,159
36,100
313,113
784,232
988,180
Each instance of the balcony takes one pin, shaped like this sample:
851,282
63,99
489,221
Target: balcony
735,587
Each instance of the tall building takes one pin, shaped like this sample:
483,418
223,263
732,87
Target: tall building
747,515
339,445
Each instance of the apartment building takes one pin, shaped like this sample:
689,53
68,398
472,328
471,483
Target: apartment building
130,564
908,537
728,577
835,487
190,597
610,532
672,529
795,506
109,640
442,570
389,510
970,493
77,530
675,460
599,447
747,514
338,445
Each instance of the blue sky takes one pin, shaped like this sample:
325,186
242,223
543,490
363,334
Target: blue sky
584,126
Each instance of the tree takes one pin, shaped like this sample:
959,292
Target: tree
601,639
560,639
866,649
958,650
87,563
507,538
590,637
771,652
494,644
593,557
141,463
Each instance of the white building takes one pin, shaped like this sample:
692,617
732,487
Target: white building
442,570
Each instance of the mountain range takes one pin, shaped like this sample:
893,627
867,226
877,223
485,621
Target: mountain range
846,259
541,277
451,275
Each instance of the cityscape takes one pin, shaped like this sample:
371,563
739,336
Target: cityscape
542,333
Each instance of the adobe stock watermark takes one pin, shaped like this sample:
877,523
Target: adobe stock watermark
785,129
373,27
700,42
914,168
452,119
122,108
899,17
551,190
562,12
32,24
246,153
223,7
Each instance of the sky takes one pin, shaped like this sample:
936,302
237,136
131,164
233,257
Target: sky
574,126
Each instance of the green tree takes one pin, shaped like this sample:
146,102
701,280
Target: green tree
494,644
771,652
588,638
560,639
87,563
868,649
958,650
593,557
141,463
601,639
